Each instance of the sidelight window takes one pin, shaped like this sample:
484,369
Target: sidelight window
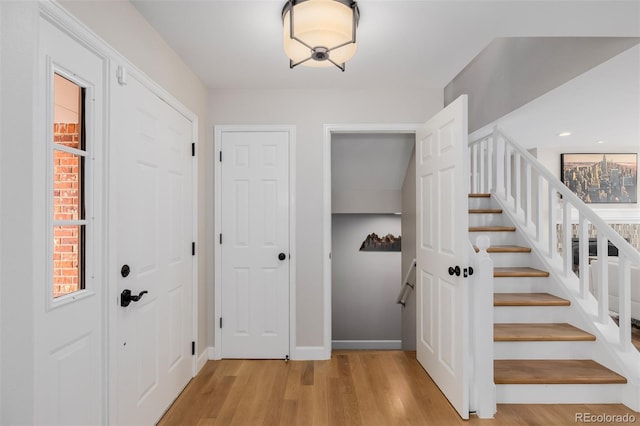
68,174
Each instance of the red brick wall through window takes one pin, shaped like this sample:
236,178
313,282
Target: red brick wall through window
66,206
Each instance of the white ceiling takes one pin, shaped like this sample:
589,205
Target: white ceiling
410,44
603,104
415,44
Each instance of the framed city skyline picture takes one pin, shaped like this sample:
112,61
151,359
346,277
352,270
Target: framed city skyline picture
601,178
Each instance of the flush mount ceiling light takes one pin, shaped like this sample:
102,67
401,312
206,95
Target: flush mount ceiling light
320,33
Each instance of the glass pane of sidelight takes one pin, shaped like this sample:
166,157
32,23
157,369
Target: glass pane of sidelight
68,175
68,259
68,203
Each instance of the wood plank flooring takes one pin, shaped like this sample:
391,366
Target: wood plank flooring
369,388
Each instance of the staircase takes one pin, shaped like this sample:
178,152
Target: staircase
543,349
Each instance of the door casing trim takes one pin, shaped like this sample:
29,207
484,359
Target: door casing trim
330,129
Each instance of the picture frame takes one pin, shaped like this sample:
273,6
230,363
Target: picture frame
601,178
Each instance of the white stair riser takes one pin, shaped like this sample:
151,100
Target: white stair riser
485,219
512,259
520,285
530,314
543,350
481,203
559,394
496,238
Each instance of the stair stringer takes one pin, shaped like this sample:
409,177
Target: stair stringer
582,313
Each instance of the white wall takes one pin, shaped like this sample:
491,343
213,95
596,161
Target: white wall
121,25
18,50
309,110
365,283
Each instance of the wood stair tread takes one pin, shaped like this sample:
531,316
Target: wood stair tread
485,211
492,229
506,249
479,195
528,299
518,271
539,332
561,371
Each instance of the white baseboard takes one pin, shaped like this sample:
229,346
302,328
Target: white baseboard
202,359
367,344
301,353
213,354
310,353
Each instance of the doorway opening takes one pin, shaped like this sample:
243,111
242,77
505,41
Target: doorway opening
365,171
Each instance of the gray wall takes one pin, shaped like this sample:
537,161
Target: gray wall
511,72
365,284
309,110
409,227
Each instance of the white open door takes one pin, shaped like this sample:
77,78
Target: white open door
254,239
152,167
442,242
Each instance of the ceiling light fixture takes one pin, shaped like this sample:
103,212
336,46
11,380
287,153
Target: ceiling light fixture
319,33
562,134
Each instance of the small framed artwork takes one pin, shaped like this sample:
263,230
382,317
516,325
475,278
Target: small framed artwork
601,178
387,243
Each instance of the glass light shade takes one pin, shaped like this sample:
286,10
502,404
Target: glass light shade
320,23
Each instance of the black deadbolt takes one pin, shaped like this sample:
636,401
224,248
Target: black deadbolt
282,256
124,271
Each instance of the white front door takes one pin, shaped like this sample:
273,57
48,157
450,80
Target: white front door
442,242
69,309
151,166
255,244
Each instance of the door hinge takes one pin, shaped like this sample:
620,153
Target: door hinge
193,348
193,248
193,149
221,156
220,322
220,238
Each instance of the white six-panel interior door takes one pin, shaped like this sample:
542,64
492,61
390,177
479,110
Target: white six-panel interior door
441,299
254,243
153,173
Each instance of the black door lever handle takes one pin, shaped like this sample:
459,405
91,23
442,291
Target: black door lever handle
126,297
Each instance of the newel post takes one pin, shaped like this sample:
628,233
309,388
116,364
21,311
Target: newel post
483,331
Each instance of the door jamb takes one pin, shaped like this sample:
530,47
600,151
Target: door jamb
217,310
329,129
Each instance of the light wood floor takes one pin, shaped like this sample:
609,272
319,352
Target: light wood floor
369,388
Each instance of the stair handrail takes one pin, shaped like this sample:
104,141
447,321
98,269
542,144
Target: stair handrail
406,287
493,160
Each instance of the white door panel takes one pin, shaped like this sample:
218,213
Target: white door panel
442,305
152,167
69,356
255,230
